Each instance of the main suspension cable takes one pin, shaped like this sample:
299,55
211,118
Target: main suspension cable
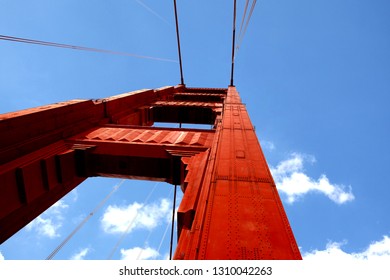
80,48
178,44
59,247
242,21
242,34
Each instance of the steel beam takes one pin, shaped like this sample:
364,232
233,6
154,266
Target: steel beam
230,209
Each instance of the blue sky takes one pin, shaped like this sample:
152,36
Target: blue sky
314,74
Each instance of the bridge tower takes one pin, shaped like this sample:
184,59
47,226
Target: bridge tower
230,209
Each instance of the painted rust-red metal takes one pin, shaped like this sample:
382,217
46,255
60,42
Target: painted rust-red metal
230,209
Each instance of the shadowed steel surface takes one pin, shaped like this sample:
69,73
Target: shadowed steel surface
230,209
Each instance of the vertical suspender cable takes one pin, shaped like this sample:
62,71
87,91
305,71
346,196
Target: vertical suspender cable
178,44
173,222
233,43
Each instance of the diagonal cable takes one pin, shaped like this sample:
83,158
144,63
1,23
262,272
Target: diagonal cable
241,37
152,11
63,243
80,48
242,22
130,224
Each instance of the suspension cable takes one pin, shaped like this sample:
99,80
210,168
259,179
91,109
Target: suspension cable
152,11
59,247
145,243
178,44
130,224
163,238
80,48
241,35
173,222
242,21
166,230
150,233
233,42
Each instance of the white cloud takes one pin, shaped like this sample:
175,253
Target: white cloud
117,219
48,223
267,145
57,207
375,251
81,254
138,253
75,194
1,257
291,180
46,227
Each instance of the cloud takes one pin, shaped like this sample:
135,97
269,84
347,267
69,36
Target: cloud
267,145
75,194
1,257
117,219
45,227
138,253
291,180
48,223
333,251
80,255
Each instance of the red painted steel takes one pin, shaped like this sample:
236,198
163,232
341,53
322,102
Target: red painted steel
230,209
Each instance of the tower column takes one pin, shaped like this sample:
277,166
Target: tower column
238,213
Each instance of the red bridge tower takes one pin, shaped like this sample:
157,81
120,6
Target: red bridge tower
231,208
